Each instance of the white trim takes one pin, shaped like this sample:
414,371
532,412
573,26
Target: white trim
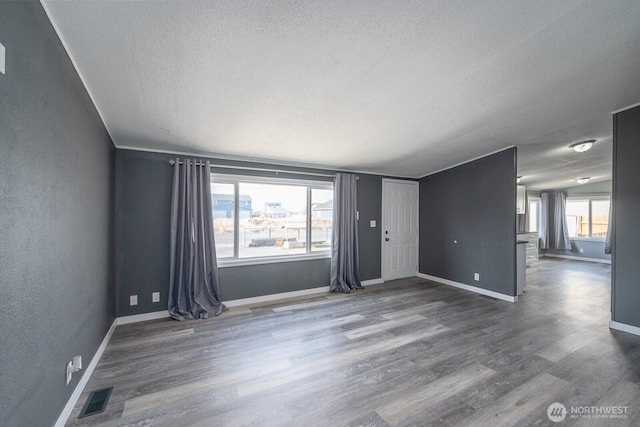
125,320
372,282
627,108
71,403
624,328
468,161
475,289
578,258
75,65
275,297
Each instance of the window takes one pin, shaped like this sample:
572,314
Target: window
587,217
260,218
534,214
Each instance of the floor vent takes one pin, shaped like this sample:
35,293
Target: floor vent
96,402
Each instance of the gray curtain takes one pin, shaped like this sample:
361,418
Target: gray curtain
560,234
345,274
193,285
543,232
608,241
522,220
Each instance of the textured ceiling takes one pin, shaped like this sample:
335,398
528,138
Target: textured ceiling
403,88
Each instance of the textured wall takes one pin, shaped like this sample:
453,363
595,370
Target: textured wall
56,198
143,199
370,239
473,204
626,196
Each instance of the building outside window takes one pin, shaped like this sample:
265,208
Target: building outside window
261,218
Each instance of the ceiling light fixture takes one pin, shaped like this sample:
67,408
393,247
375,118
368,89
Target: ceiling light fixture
583,146
518,179
583,180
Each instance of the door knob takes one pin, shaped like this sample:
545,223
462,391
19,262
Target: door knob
386,239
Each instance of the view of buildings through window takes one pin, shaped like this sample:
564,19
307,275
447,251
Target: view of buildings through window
587,217
271,218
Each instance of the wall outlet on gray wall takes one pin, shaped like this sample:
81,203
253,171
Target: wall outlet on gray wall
476,277
133,300
155,297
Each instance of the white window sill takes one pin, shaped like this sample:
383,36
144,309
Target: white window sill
587,239
223,263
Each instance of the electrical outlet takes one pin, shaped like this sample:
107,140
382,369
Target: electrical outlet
581,250
133,300
476,277
155,297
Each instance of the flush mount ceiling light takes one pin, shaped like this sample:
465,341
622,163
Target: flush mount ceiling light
583,146
583,180
518,179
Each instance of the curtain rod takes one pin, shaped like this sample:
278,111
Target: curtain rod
247,168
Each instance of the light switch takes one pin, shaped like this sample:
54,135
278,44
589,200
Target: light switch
372,223
2,52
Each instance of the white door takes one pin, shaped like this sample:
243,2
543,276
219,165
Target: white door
399,229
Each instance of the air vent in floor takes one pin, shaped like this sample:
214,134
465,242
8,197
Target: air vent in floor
96,402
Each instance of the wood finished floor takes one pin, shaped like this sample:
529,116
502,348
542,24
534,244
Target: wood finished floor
409,352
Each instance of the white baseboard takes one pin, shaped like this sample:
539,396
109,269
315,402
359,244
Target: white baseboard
475,289
274,297
578,258
71,403
125,320
285,295
624,328
373,282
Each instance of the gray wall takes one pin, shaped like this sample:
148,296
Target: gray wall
591,248
143,198
56,193
625,281
370,239
474,204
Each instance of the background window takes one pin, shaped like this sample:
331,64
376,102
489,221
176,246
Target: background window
261,218
321,219
588,217
223,201
600,215
534,214
276,223
578,218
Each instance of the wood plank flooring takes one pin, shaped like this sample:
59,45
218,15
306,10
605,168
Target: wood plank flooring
407,353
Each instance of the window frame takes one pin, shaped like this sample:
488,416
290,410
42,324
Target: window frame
589,199
236,180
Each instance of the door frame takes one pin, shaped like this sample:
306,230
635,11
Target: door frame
386,181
